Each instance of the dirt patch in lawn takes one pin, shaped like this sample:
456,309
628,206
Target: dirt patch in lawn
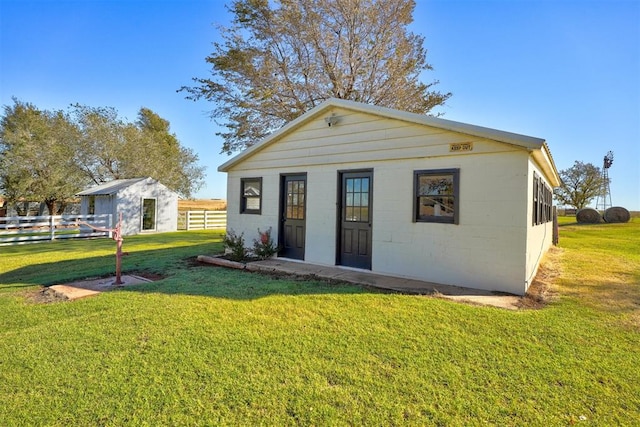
46,296
88,287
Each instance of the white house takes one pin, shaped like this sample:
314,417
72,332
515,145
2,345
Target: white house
146,204
400,194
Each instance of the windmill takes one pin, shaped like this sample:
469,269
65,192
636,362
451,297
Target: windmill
604,198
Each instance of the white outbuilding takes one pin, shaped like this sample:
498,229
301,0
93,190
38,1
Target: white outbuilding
147,206
399,194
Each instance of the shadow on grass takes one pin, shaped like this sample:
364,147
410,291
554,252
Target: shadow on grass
567,224
220,282
620,294
157,261
52,273
181,274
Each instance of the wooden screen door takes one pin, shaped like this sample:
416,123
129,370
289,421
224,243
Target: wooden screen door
293,222
356,189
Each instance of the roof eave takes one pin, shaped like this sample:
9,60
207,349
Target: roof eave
110,188
520,140
289,127
545,161
524,141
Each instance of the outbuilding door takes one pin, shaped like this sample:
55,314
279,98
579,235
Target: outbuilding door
148,214
355,203
293,216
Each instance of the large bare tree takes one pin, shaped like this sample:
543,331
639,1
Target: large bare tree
279,59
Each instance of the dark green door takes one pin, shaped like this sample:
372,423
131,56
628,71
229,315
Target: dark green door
356,189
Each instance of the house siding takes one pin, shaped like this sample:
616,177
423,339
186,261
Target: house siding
540,237
128,201
483,251
361,138
103,205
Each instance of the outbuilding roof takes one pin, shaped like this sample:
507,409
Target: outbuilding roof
535,145
110,188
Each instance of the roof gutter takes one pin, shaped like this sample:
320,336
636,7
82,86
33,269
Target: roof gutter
544,160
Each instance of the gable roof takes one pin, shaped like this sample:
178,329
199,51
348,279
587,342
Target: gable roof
537,146
110,188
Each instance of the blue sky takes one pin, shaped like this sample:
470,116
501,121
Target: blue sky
565,71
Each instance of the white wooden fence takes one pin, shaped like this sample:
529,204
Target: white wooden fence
202,220
26,229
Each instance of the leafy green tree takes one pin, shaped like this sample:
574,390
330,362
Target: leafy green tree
36,156
110,148
50,156
102,143
172,163
279,59
581,183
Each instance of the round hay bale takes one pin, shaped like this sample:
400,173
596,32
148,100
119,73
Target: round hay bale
588,216
617,214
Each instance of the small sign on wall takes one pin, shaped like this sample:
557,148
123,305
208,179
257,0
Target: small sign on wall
464,146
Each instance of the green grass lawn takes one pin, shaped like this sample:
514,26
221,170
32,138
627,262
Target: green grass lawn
209,346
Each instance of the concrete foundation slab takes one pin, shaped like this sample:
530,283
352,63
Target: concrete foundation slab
87,288
355,276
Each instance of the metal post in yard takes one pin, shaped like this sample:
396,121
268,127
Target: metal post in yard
117,236
556,231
